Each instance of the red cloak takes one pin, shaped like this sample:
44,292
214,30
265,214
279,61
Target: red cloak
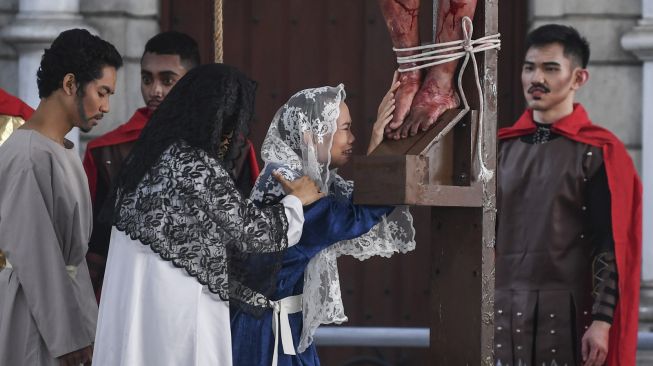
12,106
626,200
129,132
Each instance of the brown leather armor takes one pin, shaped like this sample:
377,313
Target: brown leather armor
543,298
109,159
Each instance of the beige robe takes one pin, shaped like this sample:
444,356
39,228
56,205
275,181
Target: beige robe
47,306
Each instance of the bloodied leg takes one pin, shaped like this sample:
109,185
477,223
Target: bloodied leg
437,94
401,18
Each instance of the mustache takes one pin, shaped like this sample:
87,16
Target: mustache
540,87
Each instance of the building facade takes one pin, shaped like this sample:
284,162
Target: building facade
621,67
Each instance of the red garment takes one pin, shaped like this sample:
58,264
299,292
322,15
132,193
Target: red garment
129,132
254,169
626,200
12,106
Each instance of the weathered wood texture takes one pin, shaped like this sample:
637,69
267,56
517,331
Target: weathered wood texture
432,168
425,170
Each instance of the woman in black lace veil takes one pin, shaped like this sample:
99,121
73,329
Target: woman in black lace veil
182,229
209,107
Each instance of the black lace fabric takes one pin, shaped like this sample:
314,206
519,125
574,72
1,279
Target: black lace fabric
188,210
209,108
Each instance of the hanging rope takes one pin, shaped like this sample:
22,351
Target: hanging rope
218,35
441,53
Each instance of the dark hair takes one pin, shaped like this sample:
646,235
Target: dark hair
575,46
175,43
210,103
77,52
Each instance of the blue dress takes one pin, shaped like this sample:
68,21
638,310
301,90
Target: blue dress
326,222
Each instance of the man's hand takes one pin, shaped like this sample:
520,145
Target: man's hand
82,356
595,343
303,188
384,115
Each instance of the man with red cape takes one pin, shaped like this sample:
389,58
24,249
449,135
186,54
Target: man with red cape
568,249
168,56
13,113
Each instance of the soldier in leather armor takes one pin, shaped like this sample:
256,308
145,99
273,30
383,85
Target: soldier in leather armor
561,258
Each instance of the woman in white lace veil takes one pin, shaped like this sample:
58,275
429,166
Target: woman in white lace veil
311,135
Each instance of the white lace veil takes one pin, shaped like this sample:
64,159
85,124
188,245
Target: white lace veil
298,143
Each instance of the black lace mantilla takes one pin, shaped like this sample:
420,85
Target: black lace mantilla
188,210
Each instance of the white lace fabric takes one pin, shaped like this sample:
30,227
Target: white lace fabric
298,143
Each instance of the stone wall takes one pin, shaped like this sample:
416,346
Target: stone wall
8,57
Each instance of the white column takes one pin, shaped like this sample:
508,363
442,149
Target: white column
647,169
640,41
36,25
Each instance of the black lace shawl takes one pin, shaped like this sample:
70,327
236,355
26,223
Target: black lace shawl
188,210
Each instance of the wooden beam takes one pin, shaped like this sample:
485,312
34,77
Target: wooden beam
439,168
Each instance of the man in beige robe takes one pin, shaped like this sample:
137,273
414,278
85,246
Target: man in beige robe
47,307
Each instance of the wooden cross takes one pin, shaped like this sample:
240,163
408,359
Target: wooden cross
437,169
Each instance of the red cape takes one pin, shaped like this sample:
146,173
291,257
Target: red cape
12,106
254,169
626,200
129,132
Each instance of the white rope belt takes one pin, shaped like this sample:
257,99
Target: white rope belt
441,53
72,270
281,309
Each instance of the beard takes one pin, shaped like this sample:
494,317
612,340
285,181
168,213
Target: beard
84,120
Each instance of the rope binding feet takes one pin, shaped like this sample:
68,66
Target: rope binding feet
441,53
